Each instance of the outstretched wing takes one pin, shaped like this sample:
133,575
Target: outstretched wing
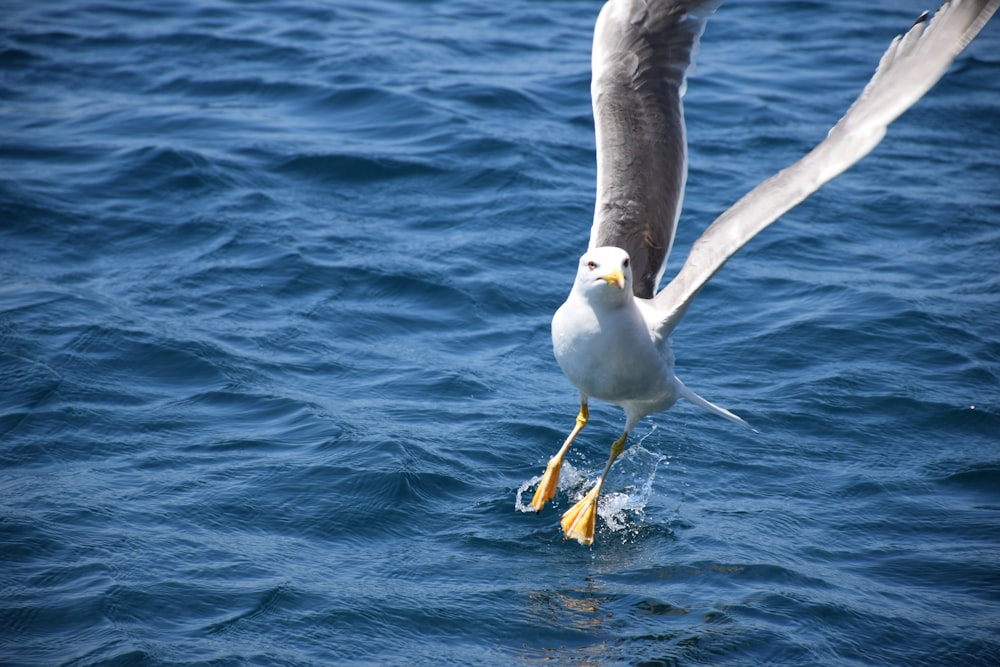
642,49
910,66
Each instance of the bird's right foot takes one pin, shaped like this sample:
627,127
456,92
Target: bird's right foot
546,490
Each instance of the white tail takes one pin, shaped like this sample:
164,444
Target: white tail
711,407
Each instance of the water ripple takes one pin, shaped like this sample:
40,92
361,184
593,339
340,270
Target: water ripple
275,368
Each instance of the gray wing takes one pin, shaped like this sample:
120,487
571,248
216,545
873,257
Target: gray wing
642,49
910,66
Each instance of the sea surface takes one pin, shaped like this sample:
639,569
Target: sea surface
276,377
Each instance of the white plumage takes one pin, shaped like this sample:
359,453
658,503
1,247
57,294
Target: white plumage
610,337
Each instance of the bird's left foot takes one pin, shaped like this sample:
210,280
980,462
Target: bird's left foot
580,520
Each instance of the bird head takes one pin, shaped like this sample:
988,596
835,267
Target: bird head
605,274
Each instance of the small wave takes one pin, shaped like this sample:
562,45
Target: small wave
340,168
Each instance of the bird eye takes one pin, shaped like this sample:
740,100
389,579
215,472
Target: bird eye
625,263
591,265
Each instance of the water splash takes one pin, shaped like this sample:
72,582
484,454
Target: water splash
570,478
629,486
626,491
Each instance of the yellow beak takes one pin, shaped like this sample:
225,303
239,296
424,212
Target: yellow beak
616,278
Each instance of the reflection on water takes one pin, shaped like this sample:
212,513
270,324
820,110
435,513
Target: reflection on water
573,609
578,611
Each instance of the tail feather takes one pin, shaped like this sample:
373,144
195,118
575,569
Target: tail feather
711,407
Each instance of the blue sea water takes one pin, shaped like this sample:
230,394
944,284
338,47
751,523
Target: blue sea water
275,369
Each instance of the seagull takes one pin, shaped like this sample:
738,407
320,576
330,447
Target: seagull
610,337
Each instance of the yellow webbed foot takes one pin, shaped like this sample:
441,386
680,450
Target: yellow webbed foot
580,520
546,490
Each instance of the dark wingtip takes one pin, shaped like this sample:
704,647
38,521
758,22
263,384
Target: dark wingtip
920,19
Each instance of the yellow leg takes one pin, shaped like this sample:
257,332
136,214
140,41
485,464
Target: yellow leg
580,520
546,490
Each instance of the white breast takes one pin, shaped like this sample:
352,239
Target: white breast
608,354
